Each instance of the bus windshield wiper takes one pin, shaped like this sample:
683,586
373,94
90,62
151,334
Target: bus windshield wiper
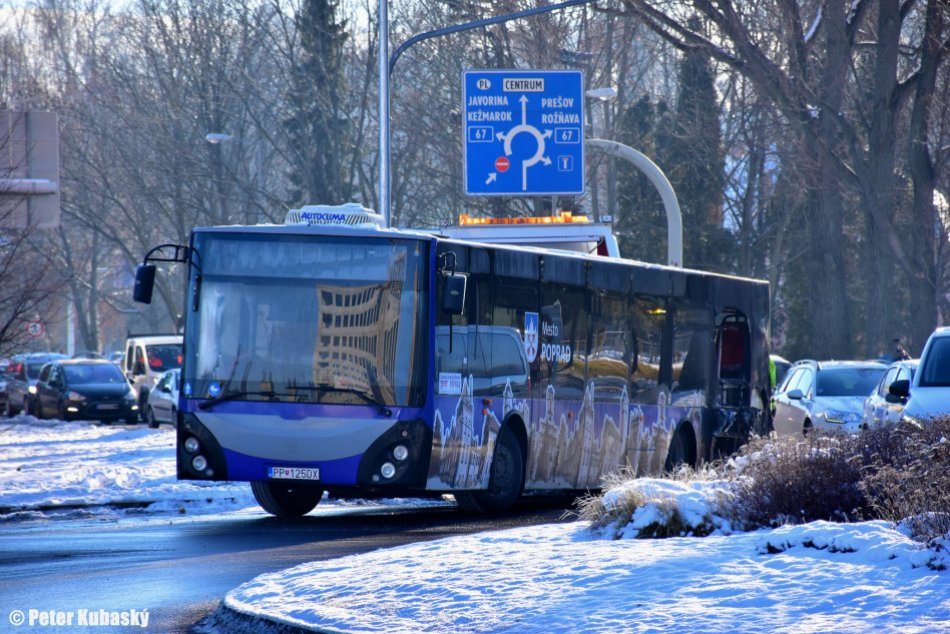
230,396
380,407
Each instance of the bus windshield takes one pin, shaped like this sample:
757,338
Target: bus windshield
313,319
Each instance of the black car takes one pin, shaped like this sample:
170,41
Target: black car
85,389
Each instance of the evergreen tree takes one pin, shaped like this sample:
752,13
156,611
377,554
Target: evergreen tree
317,123
696,163
641,222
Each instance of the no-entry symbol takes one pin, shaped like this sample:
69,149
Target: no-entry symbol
502,163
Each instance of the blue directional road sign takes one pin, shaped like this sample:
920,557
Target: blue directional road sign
523,132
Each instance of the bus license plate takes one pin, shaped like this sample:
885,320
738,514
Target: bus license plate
294,473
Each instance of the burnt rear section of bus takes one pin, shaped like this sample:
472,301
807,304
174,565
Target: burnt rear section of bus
609,364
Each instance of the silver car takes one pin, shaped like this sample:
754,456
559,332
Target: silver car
162,401
827,395
882,407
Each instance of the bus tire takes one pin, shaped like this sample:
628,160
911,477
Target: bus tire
505,482
286,500
678,453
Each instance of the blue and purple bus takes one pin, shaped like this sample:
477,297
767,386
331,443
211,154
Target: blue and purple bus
367,361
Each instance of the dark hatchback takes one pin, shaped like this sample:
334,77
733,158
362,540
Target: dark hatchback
85,389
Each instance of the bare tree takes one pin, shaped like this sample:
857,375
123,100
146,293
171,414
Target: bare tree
842,73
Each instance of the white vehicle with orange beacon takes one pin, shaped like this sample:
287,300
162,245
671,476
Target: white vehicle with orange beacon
563,231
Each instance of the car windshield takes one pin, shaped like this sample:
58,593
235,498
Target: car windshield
99,373
936,368
848,381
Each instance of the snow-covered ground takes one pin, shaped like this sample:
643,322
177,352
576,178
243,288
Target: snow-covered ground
819,577
51,468
564,577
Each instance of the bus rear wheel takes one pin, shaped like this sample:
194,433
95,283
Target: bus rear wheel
506,481
679,452
286,500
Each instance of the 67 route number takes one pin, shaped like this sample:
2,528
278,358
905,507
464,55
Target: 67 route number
293,473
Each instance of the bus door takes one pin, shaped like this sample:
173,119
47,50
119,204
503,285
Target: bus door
734,365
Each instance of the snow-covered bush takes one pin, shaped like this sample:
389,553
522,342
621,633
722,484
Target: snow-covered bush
908,479
792,479
690,504
897,473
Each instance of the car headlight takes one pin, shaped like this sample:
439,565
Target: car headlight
75,396
837,416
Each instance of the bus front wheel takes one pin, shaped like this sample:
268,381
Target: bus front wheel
506,481
284,499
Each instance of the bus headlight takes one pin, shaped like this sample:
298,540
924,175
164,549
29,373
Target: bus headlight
192,445
199,463
400,453
388,470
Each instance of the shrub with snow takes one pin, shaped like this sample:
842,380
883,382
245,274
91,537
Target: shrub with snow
897,473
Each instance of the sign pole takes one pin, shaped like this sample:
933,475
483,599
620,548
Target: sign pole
384,182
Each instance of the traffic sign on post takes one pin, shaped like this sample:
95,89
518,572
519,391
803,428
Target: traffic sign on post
523,132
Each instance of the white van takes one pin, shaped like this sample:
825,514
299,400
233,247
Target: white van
563,231
147,358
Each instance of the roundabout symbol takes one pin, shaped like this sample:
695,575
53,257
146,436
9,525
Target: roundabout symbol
539,136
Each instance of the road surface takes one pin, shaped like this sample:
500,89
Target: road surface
179,569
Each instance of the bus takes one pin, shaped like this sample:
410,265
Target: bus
366,361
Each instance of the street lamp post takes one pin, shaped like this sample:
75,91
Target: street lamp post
387,63
604,95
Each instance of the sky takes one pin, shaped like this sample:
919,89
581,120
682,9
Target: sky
565,577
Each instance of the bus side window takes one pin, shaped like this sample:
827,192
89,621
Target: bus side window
693,345
649,319
609,361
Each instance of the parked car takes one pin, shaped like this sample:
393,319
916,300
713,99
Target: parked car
825,395
162,405
21,376
147,357
86,389
881,407
928,394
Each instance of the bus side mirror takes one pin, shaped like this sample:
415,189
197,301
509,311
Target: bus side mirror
144,283
453,299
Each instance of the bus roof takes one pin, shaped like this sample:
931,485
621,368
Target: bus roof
373,231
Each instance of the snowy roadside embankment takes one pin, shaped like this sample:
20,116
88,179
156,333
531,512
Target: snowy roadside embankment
820,576
49,465
563,578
